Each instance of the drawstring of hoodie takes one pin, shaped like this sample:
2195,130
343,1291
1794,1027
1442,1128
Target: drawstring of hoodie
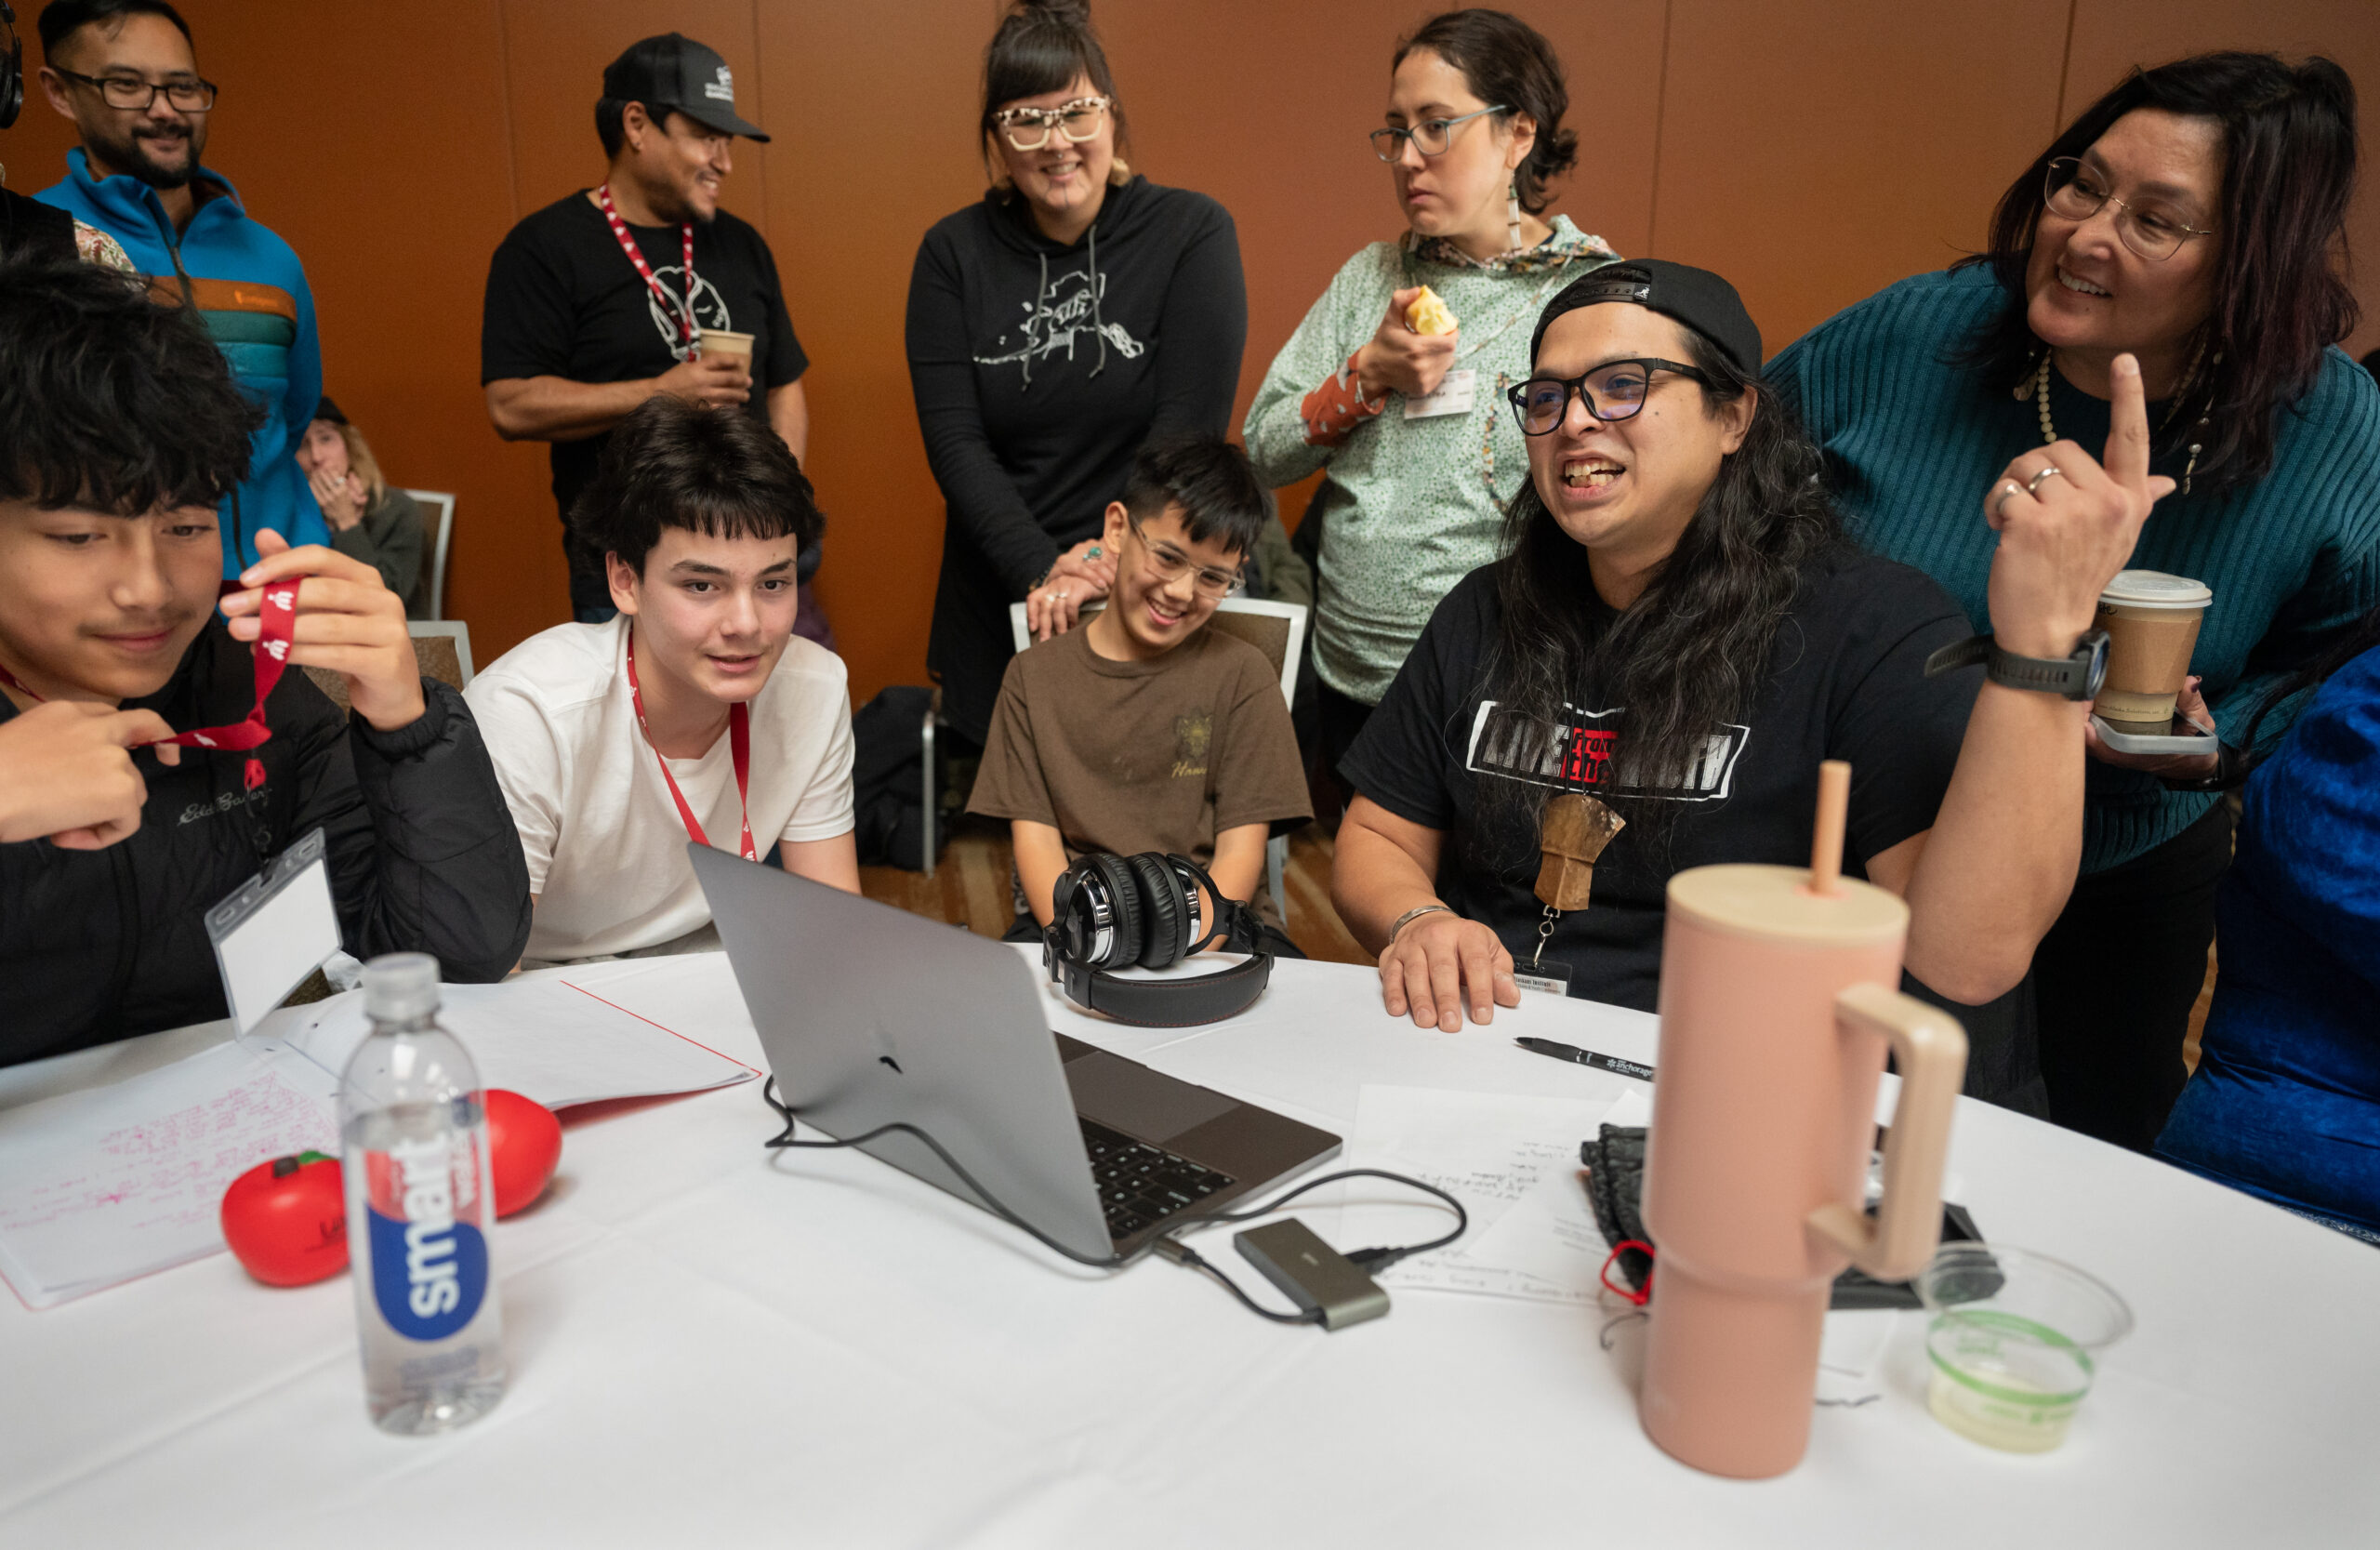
1040,298
1098,325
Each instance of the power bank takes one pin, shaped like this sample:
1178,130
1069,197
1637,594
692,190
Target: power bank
1312,1274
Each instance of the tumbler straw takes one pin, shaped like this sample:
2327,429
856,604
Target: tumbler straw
1826,845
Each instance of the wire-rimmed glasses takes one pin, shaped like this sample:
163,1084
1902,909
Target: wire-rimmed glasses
1167,563
1431,137
2073,191
1028,128
131,93
1614,391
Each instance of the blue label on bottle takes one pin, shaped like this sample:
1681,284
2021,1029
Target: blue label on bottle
428,1251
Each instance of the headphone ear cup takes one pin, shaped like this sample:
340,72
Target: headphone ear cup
1167,910
1129,917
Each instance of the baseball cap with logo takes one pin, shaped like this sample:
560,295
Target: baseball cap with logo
674,71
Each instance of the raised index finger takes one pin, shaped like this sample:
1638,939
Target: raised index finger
2126,458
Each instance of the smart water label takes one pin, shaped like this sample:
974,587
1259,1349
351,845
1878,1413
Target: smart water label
1453,397
274,930
428,1227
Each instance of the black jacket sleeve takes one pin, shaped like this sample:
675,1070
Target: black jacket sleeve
1202,332
424,857
985,502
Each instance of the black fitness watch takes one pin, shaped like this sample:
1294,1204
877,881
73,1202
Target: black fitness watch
2076,677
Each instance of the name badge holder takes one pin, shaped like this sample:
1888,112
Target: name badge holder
274,930
1453,396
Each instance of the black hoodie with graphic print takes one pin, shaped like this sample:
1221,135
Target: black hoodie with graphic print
1039,368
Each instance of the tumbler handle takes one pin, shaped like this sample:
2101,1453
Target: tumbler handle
1931,1050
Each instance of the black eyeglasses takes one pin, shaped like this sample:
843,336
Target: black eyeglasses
1614,391
132,94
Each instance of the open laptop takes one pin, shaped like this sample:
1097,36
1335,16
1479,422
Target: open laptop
870,1014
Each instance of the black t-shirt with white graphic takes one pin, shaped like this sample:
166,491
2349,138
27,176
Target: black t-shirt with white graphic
562,301
1845,680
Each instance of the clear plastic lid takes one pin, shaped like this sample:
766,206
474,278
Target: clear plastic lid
2156,589
400,987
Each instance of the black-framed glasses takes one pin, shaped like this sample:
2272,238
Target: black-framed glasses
1431,137
1614,391
1028,128
189,95
2075,191
1170,562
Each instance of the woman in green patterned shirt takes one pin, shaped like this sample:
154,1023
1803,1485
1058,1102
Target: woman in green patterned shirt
1420,459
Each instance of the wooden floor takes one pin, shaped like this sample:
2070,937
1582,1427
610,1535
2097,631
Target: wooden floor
970,887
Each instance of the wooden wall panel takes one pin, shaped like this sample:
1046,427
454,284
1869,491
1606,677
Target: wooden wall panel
2111,36
1814,151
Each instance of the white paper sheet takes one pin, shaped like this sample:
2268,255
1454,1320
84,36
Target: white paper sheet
1499,1155
100,1186
545,1038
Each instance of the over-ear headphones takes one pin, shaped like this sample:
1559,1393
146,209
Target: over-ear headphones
1111,911
12,71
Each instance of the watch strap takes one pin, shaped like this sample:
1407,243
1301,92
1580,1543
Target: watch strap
2067,676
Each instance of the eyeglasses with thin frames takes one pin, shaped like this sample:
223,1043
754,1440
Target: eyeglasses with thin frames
2074,191
1615,390
1431,137
1168,563
132,94
1077,120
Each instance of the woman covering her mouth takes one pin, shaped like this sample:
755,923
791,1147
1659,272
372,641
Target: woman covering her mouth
1405,418
1073,312
2188,216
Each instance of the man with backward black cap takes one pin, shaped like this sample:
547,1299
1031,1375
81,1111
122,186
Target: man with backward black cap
601,300
1678,628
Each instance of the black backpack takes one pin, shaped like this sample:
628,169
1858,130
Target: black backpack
888,783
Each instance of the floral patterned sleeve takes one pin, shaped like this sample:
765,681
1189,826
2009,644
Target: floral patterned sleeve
94,246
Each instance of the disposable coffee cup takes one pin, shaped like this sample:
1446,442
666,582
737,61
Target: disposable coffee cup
724,343
2151,620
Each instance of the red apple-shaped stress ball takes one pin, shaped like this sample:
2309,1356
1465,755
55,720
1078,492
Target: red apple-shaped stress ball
286,1219
524,1142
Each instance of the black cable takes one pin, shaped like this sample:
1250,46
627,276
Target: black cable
1164,1243
783,1138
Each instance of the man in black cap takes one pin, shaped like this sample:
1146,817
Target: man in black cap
602,299
1677,635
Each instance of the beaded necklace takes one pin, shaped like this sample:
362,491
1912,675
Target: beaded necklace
2049,432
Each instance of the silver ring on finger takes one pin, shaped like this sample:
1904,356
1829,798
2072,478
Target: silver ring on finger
2007,488
2033,484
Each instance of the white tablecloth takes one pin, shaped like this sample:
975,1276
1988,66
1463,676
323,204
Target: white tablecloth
715,1345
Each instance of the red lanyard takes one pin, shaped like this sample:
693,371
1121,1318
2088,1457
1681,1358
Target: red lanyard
278,616
739,743
636,257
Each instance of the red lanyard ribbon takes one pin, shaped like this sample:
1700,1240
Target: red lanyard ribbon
277,616
739,743
636,257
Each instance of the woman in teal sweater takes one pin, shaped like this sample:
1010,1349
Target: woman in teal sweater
2187,216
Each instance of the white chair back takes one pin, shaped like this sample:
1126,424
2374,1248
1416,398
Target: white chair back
437,532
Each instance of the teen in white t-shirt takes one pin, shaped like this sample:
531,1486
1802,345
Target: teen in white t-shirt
701,515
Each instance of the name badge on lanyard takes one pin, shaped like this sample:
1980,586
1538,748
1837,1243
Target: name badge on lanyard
1453,397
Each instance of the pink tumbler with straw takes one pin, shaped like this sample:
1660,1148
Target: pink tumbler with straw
1778,1001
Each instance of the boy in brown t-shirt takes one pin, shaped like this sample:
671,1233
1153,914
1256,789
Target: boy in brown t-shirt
1142,729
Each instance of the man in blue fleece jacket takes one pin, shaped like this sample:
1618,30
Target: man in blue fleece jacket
125,71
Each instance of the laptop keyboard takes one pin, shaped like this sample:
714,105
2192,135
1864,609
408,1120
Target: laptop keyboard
1139,1184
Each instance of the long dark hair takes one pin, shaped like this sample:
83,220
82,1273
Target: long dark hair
1687,656
1507,62
1042,46
2288,170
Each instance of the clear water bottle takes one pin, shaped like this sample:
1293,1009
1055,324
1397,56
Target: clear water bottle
420,1197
